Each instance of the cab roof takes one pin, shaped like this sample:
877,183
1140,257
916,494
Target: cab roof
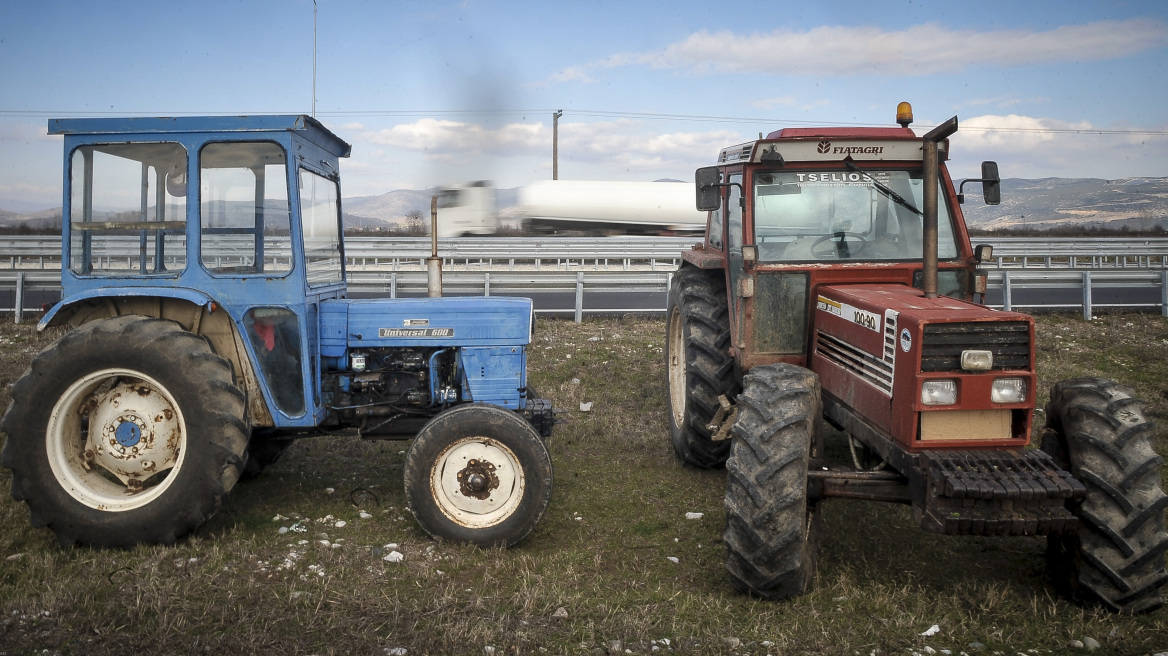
307,126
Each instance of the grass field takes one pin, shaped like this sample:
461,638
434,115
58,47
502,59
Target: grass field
596,571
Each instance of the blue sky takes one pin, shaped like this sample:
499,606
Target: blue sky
439,92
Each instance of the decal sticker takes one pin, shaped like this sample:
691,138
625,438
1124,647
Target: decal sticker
408,323
415,332
869,320
905,340
828,305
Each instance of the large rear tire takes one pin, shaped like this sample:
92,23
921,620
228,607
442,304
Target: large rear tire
772,529
125,431
1096,429
479,474
699,366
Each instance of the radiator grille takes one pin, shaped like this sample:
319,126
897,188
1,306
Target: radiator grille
943,343
867,367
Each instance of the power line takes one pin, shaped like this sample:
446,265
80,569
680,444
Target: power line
652,116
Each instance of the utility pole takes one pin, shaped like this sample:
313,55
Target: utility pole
556,143
313,58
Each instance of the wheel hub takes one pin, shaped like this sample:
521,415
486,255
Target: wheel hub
478,478
133,433
477,482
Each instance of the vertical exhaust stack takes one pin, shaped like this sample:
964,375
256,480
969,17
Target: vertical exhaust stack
931,179
434,263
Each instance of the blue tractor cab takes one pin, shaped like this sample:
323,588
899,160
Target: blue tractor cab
203,281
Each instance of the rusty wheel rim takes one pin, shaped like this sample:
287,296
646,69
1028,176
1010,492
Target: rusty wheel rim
115,440
477,482
676,367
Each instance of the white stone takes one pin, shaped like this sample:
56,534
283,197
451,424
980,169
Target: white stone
673,559
694,515
394,557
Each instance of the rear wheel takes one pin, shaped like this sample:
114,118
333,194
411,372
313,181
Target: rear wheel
125,431
479,474
699,366
1097,430
772,530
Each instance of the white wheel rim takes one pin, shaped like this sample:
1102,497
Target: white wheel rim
135,446
479,502
676,348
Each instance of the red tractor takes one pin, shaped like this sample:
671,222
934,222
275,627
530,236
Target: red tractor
810,297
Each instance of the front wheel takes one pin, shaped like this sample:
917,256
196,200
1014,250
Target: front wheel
1097,430
479,474
772,528
125,431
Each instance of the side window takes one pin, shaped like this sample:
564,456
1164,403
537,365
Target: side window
128,209
243,208
275,338
733,209
320,213
715,234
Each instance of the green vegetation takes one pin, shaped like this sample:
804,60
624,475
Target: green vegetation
601,553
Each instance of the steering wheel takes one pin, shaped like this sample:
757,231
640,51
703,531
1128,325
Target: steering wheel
849,249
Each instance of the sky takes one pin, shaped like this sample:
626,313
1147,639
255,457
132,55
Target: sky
432,93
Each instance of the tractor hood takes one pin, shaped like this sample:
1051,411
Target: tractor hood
875,344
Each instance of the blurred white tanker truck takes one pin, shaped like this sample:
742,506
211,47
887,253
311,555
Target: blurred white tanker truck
609,207
467,210
568,207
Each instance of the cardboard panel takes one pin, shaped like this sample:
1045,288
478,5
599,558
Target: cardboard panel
965,425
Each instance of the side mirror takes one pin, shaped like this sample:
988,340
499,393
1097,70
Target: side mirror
983,253
708,181
991,184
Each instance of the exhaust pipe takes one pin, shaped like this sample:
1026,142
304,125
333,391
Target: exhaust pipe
932,177
434,263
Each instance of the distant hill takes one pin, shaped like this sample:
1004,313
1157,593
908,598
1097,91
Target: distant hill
1044,204
1060,203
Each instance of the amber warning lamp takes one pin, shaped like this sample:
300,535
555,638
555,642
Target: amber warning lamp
904,114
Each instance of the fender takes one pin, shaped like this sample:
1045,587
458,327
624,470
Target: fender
193,296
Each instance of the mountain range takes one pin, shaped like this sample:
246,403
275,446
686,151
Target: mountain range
1043,204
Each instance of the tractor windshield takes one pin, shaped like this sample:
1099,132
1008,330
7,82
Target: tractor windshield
844,215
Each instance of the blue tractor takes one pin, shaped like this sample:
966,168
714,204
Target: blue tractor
203,284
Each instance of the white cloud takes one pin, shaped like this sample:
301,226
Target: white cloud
442,137
1037,147
917,50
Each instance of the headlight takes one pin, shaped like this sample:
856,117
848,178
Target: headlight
1008,390
939,392
977,360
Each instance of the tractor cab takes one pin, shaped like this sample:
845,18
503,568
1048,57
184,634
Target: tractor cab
236,216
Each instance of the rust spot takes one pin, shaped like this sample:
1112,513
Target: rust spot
134,486
478,479
144,390
168,413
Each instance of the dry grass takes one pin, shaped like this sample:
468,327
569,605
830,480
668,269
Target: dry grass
618,512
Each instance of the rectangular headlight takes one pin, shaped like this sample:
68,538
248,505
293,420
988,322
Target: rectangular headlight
1008,390
939,392
972,360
